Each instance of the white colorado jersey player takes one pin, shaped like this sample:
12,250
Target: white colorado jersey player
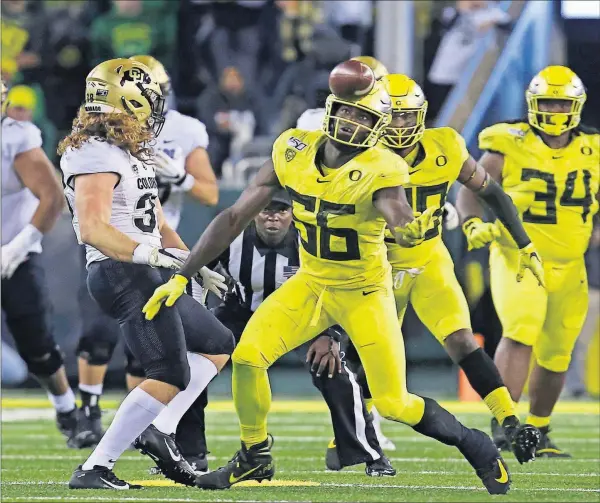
180,135
311,119
18,202
134,198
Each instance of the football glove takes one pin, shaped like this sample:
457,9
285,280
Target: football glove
451,219
479,233
167,169
167,293
529,259
413,233
156,257
17,250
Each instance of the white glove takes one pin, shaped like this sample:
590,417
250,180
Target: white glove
17,251
451,219
167,169
400,275
212,281
157,257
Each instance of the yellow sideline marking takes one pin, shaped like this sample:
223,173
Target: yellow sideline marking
247,483
562,407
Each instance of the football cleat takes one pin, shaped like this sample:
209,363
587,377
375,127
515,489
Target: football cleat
253,463
547,448
99,477
66,422
499,437
380,468
332,460
163,450
482,454
199,464
89,428
523,439
385,443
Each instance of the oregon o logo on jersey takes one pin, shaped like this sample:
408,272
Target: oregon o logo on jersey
441,160
355,175
586,150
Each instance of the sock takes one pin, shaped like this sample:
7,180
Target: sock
134,415
537,421
64,402
202,371
89,399
501,404
252,399
92,389
438,423
485,379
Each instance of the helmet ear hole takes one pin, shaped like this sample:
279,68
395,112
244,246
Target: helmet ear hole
136,104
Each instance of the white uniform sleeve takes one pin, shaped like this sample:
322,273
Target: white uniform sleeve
93,157
195,134
311,119
31,139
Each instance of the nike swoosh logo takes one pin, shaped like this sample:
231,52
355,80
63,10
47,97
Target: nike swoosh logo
369,293
559,157
233,479
173,457
168,141
110,484
503,474
413,171
319,180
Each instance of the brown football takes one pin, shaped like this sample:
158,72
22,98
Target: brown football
351,79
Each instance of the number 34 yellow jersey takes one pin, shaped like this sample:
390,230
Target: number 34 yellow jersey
341,231
553,189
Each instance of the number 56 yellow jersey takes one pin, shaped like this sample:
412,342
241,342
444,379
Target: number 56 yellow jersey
553,189
341,231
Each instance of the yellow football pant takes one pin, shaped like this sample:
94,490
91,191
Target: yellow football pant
435,295
550,319
296,313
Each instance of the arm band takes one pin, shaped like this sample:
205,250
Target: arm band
502,205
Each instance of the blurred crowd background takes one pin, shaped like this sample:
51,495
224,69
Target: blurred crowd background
248,68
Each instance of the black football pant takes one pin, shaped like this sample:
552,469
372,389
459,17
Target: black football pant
355,437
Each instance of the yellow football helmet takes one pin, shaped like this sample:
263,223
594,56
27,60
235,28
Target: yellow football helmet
376,102
407,98
125,86
158,70
377,66
555,83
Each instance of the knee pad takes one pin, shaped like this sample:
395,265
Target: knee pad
408,409
175,373
44,364
95,352
554,362
247,354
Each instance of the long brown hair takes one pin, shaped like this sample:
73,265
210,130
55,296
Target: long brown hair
119,129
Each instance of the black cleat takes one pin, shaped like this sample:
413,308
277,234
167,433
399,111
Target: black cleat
99,477
199,464
66,422
499,437
547,448
163,450
482,454
380,468
254,463
332,460
523,439
89,428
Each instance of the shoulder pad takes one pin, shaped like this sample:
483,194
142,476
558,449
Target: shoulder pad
499,136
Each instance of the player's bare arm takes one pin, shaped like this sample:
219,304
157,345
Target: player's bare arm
205,188
169,237
37,174
228,224
93,203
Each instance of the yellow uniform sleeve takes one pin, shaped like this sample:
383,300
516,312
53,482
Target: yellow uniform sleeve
278,155
393,172
460,146
500,137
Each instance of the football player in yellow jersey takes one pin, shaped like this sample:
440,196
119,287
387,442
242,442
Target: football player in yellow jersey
345,190
424,275
549,165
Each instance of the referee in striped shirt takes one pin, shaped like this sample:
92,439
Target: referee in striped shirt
258,262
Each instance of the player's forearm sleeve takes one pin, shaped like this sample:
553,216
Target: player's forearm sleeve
502,205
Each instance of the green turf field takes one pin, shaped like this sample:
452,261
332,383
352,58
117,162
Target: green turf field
36,465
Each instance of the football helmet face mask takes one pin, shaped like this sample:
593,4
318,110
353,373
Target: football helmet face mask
379,69
125,86
160,75
409,108
376,103
551,84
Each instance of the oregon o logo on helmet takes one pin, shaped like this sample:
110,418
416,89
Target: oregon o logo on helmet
441,160
355,175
